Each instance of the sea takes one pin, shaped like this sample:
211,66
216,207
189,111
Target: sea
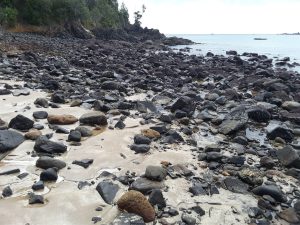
273,45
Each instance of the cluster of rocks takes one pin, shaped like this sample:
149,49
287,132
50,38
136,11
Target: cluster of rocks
247,106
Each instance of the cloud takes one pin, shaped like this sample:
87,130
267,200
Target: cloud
219,16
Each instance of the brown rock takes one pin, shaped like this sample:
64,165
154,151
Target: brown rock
289,215
62,119
33,134
136,202
151,133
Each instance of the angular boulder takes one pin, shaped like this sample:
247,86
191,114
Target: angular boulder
43,144
9,140
93,118
21,123
107,191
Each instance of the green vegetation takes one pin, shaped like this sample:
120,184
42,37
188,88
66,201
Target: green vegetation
91,13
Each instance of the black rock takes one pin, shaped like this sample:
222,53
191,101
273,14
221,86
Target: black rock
85,132
197,189
140,148
198,210
235,185
21,123
185,104
43,144
267,162
156,198
74,136
46,162
282,132
58,98
213,156
49,175
38,186
107,191
35,199
110,85
120,125
42,102
7,192
140,139
259,114
40,115
187,219
145,186
156,173
288,156
85,163
9,140
271,190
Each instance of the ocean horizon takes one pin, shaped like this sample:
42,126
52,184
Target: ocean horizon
272,45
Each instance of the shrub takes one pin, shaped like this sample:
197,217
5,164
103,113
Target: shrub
8,16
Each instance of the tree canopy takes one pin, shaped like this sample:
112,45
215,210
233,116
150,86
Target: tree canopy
91,13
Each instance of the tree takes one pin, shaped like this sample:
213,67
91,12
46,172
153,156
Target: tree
138,16
124,15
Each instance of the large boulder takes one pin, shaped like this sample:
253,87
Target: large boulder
43,144
62,119
136,202
21,123
9,140
93,118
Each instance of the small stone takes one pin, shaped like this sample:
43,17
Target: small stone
189,220
140,148
35,199
85,132
33,134
150,133
140,139
7,192
62,119
49,175
38,186
271,190
156,198
46,162
146,186
40,115
41,102
107,191
85,163
21,123
93,118
155,173
74,136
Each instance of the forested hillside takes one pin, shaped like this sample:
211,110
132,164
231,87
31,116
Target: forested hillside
90,13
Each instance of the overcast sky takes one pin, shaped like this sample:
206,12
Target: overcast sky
219,16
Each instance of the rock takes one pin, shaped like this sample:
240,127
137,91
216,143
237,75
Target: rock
181,170
3,125
85,163
110,85
43,144
107,191
185,104
11,171
267,162
282,132
49,175
46,162
259,114
33,134
290,105
156,198
235,185
140,148
136,202
120,125
93,118
151,133
9,140
5,92
6,192
197,209
271,190
74,136
155,173
40,115
41,102
128,219
85,132
76,102
35,199
38,186
251,176
62,119
145,186
23,91
231,126
187,219
231,52
58,98
197,190
21,123
140,139
213,156
289,215
288,156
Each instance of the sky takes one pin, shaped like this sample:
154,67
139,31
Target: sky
219,16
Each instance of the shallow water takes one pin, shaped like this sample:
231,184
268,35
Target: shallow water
275,45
